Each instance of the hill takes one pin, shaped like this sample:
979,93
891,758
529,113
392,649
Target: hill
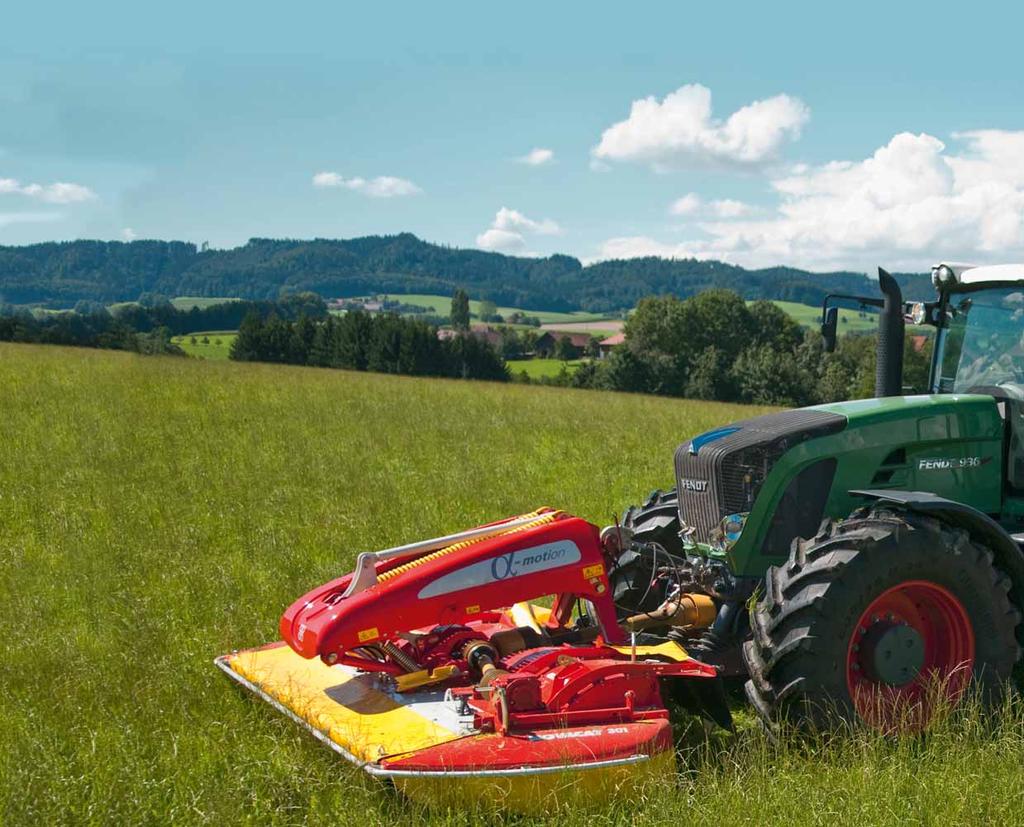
60,274
164,511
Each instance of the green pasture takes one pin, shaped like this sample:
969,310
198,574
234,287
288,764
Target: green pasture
540,368
210,344
442,305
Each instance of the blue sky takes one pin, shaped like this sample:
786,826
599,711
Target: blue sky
810,134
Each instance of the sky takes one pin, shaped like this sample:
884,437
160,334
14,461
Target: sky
824,136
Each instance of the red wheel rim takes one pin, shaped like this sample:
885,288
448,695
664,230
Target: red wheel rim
913,646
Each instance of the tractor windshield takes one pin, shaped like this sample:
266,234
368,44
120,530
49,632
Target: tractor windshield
983,340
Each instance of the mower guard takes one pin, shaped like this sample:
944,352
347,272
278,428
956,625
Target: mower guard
417,741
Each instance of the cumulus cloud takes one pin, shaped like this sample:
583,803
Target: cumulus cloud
60,192
128,234
692,204
383,186
537,157
680,131
689,204
509,230
911,202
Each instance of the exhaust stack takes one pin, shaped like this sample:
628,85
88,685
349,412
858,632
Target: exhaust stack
889,366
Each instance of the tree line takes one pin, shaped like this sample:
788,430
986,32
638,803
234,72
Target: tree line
99,330
384,343
144,327
60,274
715,346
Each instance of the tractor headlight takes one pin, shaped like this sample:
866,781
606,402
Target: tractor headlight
943,276
728,531
918,313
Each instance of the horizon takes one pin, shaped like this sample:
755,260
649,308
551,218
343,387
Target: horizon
584,263
764,141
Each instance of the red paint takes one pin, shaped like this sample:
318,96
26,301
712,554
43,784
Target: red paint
942,622
556,704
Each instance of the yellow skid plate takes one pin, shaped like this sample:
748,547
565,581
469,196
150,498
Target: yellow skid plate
346,708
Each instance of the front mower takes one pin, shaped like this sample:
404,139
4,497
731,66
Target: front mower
428,666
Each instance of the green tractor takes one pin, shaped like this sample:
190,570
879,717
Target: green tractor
863,558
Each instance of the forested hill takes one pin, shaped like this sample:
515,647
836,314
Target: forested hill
59,274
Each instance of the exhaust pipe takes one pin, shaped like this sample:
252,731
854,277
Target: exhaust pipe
889,364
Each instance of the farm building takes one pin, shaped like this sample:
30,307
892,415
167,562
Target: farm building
605,346
547,343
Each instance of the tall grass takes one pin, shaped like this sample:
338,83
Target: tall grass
157,512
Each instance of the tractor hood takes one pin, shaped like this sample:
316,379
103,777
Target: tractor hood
720,473
747,489
924,409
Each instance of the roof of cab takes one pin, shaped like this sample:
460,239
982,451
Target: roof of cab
992,272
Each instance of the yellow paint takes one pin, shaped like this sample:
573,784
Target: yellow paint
593,571
670,649
472,610
414,680
368,634
530,614
544,516
347,708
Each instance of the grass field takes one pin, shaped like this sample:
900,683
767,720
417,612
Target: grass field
849,320
188,302
442,305
218,346
539,368
155,512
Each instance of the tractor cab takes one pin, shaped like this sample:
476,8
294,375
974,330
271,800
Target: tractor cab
978,347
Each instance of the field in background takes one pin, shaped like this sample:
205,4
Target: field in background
850,321
442,305
156,512
541,368
217,345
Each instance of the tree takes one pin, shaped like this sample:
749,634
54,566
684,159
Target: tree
460,310
248,344
565,349
489,311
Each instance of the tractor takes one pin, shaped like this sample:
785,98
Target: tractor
860,560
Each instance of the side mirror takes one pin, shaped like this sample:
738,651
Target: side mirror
828,328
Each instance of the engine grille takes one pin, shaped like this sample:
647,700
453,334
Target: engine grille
725,475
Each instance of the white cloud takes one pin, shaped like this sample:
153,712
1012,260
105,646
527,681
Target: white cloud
687,205
59,192
128,234
680,131
507,219
537,157
501,241
913,201
640,246
383,186
728,208
693,204
508,231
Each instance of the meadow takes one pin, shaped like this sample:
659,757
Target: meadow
156,512
208,344
442,305
543,368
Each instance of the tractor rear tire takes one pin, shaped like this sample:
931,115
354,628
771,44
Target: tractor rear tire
869,611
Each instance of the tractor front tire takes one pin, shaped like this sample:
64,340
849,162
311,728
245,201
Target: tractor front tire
872,617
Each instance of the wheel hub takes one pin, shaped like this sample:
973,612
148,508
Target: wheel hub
897,654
